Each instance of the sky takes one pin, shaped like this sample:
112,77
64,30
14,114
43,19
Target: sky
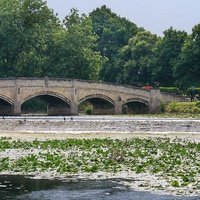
154,15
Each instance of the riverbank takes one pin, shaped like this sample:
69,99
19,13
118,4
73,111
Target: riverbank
99,124
161,165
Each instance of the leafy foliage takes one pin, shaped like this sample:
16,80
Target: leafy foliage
187,68
114,33
102,46
137,59
168,50
35,43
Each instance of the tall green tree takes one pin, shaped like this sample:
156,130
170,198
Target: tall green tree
25,31
33,42
74,54
39,23
138,59
167,53
10,36
187,68
114,33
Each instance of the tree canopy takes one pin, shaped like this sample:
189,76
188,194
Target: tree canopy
35,43
187,67
101,46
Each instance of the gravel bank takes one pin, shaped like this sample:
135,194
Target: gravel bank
111,126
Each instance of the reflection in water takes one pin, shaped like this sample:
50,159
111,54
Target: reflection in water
25,188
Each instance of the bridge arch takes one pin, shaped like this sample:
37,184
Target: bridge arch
53,103
136,106
47,93
98,104
6,99
6,105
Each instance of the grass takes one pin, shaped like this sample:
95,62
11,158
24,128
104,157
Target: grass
177,110
183,107
177,161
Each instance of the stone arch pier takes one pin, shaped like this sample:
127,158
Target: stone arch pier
64,96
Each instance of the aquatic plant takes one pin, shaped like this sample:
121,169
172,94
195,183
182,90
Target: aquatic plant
176,160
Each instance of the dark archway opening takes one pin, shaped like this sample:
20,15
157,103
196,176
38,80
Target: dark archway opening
96,106
45,105
135,108
6,108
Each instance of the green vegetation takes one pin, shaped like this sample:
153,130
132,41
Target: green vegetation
173,90
88,110
101,46
177,161
183,107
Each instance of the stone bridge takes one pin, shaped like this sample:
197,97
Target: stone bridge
64,96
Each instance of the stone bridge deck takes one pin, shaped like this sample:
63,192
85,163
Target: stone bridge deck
14,92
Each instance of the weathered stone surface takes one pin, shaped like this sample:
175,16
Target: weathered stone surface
16,91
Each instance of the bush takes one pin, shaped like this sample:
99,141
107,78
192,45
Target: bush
162,107
173,90
88,110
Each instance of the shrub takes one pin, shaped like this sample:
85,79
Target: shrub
173,90
162,107
173,107
88,110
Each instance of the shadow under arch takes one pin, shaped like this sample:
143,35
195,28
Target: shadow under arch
136,106
6,106
96,104
47,103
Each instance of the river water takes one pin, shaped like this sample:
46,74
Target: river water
25,188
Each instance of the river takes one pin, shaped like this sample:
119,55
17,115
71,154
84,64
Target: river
26,188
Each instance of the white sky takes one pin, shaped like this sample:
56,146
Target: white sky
154,15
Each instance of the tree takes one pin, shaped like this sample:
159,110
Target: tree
187,68
25,31
39,24
137,59
114,33
10,36
74,54
35,43
168,50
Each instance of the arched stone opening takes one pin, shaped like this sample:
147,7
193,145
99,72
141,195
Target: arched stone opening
6,106
96,105
46,104
136,107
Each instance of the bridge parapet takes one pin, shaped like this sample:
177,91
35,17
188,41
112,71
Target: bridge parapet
16,91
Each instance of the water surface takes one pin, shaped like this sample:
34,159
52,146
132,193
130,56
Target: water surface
25,188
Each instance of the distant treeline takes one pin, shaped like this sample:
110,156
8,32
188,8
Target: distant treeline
101,46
